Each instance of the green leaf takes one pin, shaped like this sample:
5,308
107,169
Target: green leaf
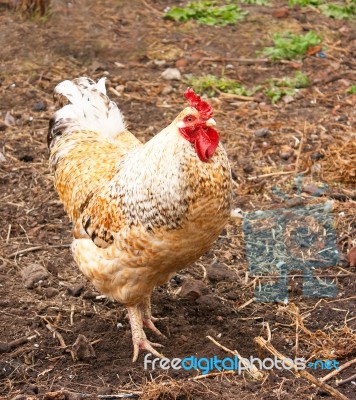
207,12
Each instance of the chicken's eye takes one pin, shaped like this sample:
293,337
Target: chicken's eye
189,118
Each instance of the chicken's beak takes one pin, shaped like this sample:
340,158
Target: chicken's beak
210,122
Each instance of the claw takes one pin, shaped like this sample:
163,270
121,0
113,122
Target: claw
139,338
148,323
144,344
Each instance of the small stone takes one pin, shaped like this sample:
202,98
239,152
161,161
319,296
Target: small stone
50,292
192,289
208,301
281,12
262,132
26,158
167,90
4,347
232,295
218,272
316,169
159,63
2,157
310,188
39,106
33,274
58,395
265,107
352,257
32,389
286,152
75,290
176,280
288,99
317,156
9,119
119,65
90,295
82,349
6,369
181,63
62,395
248,168
120,88
171,74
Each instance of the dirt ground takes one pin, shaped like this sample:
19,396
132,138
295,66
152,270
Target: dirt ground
131,44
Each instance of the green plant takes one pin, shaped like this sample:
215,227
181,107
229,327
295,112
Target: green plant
211,85
339,11
351,90
305,3
279,88
207,12
288,45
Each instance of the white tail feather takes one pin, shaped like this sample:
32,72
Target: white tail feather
85,106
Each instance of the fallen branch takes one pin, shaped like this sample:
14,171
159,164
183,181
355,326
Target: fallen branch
336,371
306,375
6,347
349,379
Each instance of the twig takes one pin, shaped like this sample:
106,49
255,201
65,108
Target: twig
60,339
35,248
211,375
250,368
275,174
116,93
6,347
151,8
238,60
8,234
349,379
336,371
246,304
119,396
306,375
236,96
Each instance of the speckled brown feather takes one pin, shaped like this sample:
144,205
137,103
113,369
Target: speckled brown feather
140,212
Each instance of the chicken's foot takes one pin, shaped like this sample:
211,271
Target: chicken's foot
147,318
139,338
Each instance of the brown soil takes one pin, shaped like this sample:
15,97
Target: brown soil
124,41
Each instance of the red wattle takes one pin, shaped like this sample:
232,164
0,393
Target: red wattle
206,143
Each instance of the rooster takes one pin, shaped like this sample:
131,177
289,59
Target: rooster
140,211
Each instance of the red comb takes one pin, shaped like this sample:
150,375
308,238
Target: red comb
205,109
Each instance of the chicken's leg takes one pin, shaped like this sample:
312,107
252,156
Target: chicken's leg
147,319
139,338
